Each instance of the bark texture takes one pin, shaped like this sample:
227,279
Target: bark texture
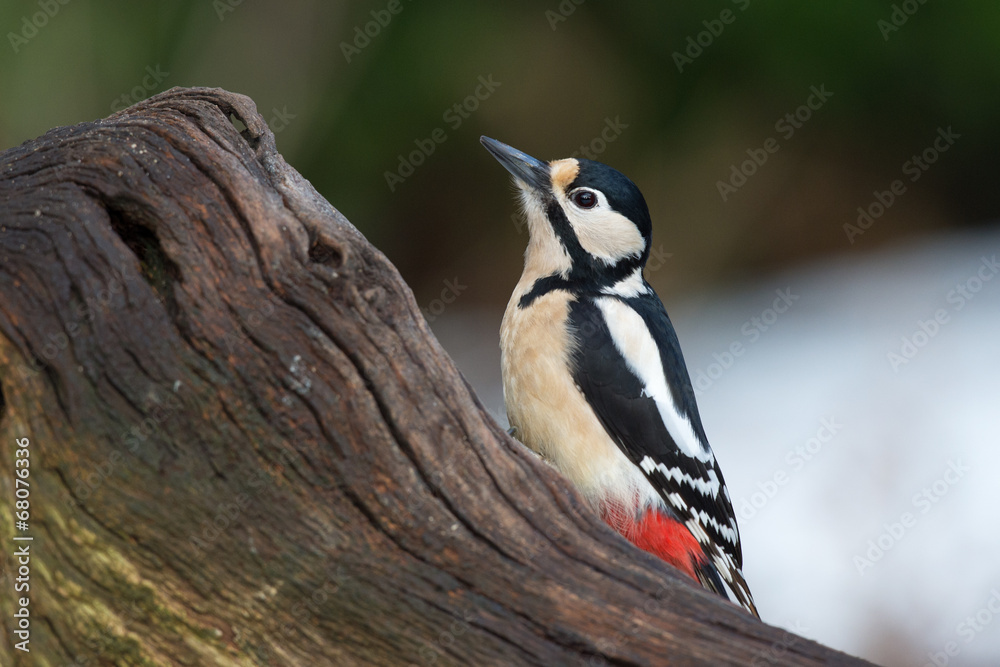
246,447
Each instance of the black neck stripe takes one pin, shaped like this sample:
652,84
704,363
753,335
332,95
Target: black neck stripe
580,282
542,287
564,232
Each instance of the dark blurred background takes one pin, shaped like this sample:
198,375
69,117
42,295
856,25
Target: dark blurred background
755,130
345,124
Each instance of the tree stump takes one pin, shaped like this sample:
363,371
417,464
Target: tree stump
245,446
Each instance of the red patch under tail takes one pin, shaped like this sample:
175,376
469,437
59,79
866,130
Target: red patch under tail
660,535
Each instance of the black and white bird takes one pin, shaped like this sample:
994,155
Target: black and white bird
594,380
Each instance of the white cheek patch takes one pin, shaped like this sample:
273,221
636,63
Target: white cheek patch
603,232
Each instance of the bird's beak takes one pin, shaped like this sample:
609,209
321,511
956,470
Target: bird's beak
532,172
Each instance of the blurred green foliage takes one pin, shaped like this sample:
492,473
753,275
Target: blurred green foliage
347,106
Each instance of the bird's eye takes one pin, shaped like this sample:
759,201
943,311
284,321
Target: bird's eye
585,199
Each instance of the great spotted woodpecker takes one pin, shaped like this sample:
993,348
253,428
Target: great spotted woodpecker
593,376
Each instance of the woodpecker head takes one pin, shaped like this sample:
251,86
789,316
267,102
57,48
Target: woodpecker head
588,223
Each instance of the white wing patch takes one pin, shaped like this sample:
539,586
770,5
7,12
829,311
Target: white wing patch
631,286
636,345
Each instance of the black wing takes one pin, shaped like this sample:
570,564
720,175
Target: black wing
692,486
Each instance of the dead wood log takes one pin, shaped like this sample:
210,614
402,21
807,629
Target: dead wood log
246,447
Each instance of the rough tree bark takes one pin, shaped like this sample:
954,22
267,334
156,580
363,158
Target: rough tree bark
246,447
